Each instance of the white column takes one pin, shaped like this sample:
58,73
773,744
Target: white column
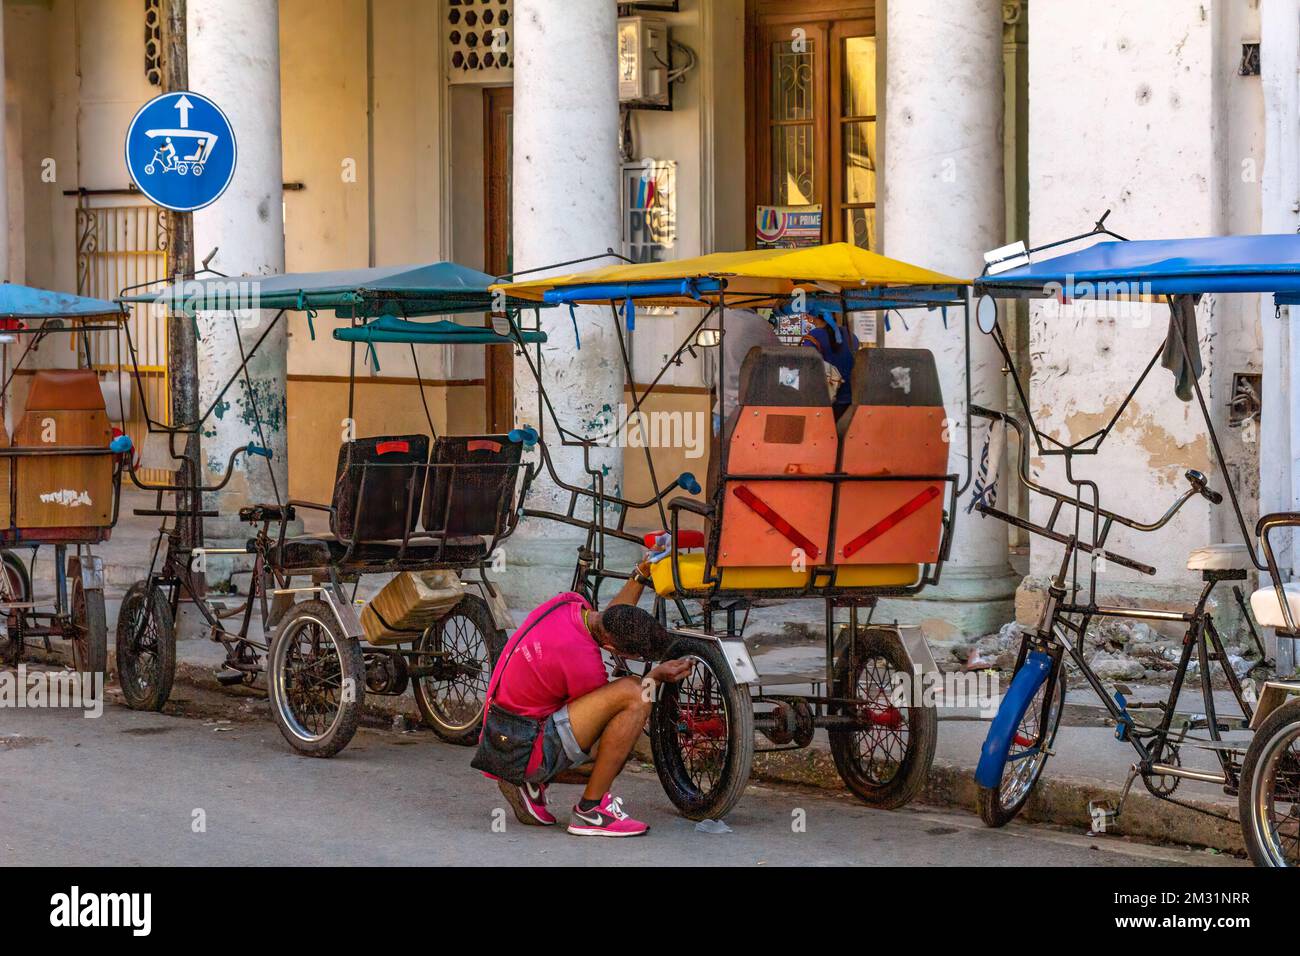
566,182
1279,449
234,60
943,208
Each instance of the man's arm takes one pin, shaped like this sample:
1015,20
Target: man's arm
630,592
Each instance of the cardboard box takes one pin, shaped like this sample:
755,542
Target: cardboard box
408,604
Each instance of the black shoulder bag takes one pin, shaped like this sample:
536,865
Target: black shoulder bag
506,744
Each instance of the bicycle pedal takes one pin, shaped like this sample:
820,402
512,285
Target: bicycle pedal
1101,815
230,677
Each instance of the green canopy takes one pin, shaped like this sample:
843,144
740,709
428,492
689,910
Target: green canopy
444,332
441,288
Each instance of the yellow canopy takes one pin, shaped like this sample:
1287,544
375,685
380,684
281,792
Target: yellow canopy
751,275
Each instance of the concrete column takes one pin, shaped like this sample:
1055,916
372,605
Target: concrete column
943,208
1279,469
234,58
566,205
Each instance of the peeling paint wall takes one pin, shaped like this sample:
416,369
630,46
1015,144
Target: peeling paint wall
1138,108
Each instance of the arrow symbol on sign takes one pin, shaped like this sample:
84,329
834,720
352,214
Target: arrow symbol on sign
184,106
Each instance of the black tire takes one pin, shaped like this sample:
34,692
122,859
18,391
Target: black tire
703,785
15,588
316,676
1271,770
453,708
88,629
999,806
146,647
887,764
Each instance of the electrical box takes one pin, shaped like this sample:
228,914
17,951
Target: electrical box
643,63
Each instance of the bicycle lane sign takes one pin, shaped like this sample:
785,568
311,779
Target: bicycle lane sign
181,151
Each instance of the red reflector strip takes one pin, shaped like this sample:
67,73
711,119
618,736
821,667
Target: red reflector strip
388,447
764,511
685,539
887,522
483,444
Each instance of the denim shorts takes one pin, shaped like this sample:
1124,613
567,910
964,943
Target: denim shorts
560,749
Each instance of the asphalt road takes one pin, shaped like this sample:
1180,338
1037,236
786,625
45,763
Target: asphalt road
130,788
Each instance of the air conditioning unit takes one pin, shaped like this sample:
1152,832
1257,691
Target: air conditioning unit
643,63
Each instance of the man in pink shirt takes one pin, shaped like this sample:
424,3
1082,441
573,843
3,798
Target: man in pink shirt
553,670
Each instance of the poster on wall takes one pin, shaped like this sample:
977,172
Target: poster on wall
649,210
788,227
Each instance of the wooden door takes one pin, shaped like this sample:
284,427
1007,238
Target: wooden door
812,106
498,372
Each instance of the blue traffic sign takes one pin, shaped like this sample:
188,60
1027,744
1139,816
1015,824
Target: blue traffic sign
180,150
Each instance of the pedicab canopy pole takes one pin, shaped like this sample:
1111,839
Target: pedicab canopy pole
182,339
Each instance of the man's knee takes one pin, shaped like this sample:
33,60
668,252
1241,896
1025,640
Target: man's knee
634,697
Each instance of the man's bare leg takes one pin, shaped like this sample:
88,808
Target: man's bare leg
615,715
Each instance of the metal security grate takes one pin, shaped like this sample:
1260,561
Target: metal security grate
117,247
479,40
153,52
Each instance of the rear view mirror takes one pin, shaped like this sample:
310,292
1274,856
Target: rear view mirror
708,338
986,314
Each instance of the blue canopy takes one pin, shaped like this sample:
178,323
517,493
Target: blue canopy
24,302
440,288
1159,267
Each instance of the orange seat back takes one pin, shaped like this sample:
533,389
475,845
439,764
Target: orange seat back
65,409
895,426
783,426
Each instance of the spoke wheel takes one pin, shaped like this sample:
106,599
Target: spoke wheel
88,629
146,647
316,677
702,734
1269,802
886,761
1026,757
464,645
15,588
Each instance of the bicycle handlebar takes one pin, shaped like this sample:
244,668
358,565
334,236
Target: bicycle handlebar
1196,479
197,488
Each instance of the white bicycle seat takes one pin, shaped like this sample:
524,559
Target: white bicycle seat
1219,557
1268,612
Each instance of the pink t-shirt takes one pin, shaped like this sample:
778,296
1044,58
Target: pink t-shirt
557,662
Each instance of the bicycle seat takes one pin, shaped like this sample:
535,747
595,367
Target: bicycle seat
1268,612
1219,557
256,514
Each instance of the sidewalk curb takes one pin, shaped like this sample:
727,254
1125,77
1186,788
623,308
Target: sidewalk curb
1062,801
1056,800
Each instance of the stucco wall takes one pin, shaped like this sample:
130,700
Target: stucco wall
1137,108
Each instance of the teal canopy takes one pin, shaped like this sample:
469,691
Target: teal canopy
440,288
444,332
25,303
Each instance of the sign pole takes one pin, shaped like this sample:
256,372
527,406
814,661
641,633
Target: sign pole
182,341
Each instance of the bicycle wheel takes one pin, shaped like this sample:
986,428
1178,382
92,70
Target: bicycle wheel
1269,799
88,629
146,647
15,588
451,701
316,678
885,762
1026,753
702,735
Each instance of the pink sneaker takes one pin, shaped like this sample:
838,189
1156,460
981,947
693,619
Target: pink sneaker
607,820
529,804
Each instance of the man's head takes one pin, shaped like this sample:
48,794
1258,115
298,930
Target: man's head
631,632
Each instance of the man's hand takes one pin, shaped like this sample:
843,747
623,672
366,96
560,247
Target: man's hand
672,672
